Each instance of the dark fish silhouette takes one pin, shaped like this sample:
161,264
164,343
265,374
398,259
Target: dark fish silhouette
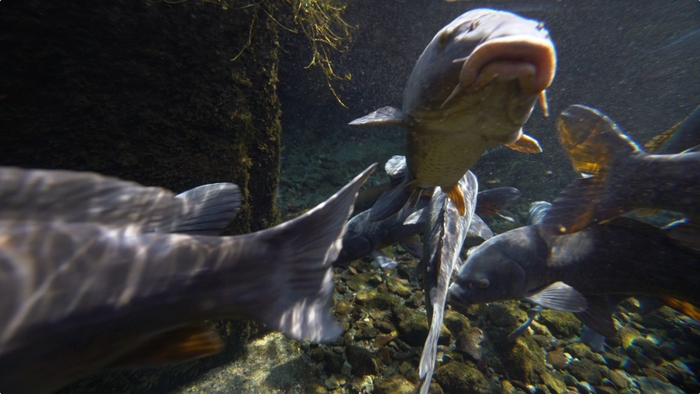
473,88
575,272
364,237
621,176
83,289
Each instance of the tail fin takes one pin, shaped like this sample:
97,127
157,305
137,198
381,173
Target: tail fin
299,300
596,147
427,359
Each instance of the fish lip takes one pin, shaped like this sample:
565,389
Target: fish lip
512,54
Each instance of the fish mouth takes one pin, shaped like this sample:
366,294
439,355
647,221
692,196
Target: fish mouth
530,60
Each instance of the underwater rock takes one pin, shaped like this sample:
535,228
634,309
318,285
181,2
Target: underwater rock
394,384
649,349
456,377
523,361
382,340
455,322
579,350
613,360
359,281
384,326
560,324
628,335
588,371
413,327
558,359
376,300
653,385
332,383
472,343
343,308
361,360
500,315
398,288
554,384
619,378
333,362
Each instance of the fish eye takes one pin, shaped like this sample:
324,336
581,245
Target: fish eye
444,38
484,283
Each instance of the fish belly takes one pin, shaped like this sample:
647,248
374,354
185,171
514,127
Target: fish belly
442,158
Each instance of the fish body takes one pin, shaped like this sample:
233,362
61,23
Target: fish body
575,272
622,176
79,295
365,237
443,237
473,88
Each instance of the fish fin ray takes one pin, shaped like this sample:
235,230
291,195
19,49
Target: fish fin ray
479,228
185,343
383,116
384,261
300,306
525,144
211,208
413,246
455,194
581,204
560,297
598,316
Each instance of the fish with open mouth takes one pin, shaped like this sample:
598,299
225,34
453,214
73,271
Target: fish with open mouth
473,88
92,277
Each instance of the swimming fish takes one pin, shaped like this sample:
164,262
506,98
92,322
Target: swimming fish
473,88
443,237
364,237
620,176
575,272
84,291
492,201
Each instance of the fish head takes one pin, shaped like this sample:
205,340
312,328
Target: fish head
494,271
485,64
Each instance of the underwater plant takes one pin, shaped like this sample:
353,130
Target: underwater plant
319,20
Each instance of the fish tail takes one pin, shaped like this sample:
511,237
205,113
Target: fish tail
427,358
298,301
597,148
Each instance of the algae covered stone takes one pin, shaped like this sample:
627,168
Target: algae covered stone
560,324
463,378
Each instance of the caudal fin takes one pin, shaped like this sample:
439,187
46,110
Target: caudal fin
301,279
596,147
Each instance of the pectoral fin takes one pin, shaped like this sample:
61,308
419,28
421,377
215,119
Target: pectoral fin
455,194
383,116
181,344
525,144
384,261
560,297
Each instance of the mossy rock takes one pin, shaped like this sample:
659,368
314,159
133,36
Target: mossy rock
523,361
560,324
413,327
456,322
394,384
373,299
462,378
